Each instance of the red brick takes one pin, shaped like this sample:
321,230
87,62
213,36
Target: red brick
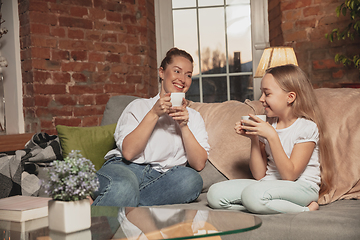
79,55
338,74
79,77
78,11
38,7
88,110
46,124
45,64
101,77
296,36
134,79
43,18
93,35
40,29
86,3
76,45
312,11
42,100
308,23
115,6
71,122
287,5
49,89
129,19
113,58
120,88
28,102
107,47
292,15
114,16
86,89
60,55
90,121
107,26
101,99
60,8
325,64
78,67
110,37
76,33
119,68
40,53
75,22
41,41
61,77
87,99
47,112
96,14
117,78
57,32
96,57
65,100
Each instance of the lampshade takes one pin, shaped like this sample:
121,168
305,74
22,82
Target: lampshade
275,56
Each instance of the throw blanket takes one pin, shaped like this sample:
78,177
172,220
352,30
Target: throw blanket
18,173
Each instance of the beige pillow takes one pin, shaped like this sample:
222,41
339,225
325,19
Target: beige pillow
229,151
341,109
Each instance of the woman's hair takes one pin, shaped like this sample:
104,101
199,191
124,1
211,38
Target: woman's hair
174,52
292,79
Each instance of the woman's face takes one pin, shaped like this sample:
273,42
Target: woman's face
177,76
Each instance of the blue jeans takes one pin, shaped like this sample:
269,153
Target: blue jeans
264,197
127,184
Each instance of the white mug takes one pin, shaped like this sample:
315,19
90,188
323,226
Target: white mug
177,99
262,117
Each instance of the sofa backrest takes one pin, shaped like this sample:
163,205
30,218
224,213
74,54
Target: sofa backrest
114,107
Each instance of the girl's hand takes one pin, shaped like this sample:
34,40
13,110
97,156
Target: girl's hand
180,114
256,127
163,105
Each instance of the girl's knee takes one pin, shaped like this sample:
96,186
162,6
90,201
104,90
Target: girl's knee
254,199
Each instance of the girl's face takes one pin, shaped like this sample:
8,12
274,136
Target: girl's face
275,100
177,76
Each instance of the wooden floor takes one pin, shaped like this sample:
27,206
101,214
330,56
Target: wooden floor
14,141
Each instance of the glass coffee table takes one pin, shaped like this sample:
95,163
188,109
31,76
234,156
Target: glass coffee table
146,223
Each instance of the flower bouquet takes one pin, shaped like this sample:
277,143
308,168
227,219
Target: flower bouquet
70,184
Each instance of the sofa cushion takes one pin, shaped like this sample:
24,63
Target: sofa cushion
341,109
229,151
114,107
93,142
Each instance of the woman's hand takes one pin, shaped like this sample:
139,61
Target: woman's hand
180,114
163,105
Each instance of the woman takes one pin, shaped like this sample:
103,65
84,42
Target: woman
155,143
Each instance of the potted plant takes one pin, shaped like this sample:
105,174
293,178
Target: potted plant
70,184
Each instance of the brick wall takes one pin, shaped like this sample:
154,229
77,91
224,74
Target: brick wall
76,54
302,24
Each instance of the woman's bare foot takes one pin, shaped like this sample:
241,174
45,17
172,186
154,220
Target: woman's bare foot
313,206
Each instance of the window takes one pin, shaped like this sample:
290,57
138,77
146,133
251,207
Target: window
225,38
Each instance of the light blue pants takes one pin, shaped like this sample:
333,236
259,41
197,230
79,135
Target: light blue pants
127,184
263,197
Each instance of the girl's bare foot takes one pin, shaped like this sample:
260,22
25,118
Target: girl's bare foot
313,206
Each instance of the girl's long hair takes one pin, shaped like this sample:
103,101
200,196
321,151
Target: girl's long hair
292,79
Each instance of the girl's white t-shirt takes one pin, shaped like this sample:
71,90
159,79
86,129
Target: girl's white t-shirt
302,130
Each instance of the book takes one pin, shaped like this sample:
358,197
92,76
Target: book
23,208
25,226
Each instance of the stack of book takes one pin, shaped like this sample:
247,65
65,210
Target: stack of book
23,213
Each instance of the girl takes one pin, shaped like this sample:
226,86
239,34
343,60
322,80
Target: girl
155,143
285,155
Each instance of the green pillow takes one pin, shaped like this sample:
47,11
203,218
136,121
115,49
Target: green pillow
93,142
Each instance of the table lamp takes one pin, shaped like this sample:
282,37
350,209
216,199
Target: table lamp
275,56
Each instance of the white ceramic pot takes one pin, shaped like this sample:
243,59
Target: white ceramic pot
68,217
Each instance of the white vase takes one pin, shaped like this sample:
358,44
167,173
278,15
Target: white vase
68,217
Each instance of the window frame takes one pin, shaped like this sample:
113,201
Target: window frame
259,35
